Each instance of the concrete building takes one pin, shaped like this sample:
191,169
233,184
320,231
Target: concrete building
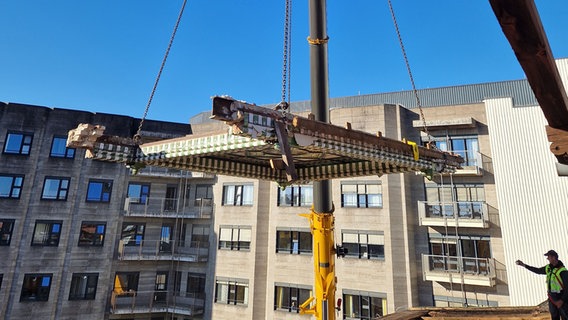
85,239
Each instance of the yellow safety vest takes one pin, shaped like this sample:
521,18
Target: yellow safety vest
553,279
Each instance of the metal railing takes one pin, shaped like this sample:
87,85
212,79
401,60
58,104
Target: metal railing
169,208
189,251
189,304
454,264
466,213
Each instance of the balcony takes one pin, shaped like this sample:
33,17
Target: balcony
464,214
471,271
138,302
158,250
168,208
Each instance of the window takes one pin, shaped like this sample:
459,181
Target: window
296,196
11,186
138,193
287,297
6,228
361,195
295,242
99,191
36,287
83,286
468,253
364,244
231,292
455,302
126,282
237,195
46,233
465,146
203,191
195,285
444,200
200,236
55,188
364,305
92,233
234,238
59,148
18,143
132,233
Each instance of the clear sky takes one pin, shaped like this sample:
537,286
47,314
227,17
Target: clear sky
103,55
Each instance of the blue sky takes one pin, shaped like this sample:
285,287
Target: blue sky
103,55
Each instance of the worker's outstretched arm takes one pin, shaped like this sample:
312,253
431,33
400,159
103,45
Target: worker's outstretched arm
541,270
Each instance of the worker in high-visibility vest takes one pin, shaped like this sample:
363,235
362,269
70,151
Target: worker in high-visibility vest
556,279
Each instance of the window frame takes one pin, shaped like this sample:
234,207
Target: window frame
200,279
362,199
296,196
363,248
23,143
360,296
130,275
69,153
14,185
301,249
232,243
97,233
60,188
51,224
86,292
101,197
143,193
35,295
294,293
236,197
231,297
138,238
6,231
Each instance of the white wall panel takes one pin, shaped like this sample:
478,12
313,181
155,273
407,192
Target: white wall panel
533,199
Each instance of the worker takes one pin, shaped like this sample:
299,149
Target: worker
556,278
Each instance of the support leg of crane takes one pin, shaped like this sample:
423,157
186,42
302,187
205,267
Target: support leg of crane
322,226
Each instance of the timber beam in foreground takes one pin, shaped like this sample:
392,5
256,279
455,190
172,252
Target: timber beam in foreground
266,144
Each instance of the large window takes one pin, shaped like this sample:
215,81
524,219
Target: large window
364,305
47,233
132,234
195,285
466,200
231,291
361,195
296,196
99,191
83,286
18,143
59,148
468,253
292,241
36,287
11,186
235,237
6,228
288,297
138,192
237,195
203,191
465,146
55,188
364,244
199,235
92,233
126,282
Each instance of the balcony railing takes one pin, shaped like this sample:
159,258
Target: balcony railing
191,251
468,214
169,208
473,165
472,271
136,302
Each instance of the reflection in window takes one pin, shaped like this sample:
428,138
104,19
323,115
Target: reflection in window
296,196
364,244
235,238
361,195
11,186
138,193
132,234
46,233
295,242
289,297
237,195
99,191
18,143
364,306
55,188
59,148
92,233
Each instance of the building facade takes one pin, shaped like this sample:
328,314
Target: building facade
86,239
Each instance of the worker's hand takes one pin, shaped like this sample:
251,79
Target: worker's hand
559,303
520,263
